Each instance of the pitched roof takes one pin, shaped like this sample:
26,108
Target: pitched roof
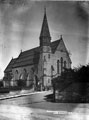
31,56
54,45
28,57
10,65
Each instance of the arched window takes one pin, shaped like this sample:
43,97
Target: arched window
25,74
16,71
64,64
25,70
21,76
61,64
58,66
52,69
16,75
44,58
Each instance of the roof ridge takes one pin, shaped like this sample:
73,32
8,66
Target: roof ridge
30,49
29,57
56,41
38,46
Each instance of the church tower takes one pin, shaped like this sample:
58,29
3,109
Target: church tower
45,51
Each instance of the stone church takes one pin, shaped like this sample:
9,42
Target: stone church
39,65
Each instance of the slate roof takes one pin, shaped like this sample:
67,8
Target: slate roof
10,65
28,57
54,45
31,56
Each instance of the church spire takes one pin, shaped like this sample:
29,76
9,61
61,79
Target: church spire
45,34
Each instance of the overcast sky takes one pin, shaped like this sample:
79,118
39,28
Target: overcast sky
21,21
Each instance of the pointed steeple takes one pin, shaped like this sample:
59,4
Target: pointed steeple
45,34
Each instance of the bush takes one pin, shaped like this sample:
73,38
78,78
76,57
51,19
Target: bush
74,77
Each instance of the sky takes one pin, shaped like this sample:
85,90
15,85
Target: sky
21,21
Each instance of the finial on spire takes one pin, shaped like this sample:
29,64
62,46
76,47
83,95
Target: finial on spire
60,36
44,9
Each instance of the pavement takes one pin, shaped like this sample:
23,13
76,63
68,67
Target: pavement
18,94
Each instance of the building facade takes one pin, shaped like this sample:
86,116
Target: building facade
39,65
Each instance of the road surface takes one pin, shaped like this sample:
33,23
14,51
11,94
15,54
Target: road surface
35,107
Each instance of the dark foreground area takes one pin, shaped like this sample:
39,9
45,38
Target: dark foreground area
65,99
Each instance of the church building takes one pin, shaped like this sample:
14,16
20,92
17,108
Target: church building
39,65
